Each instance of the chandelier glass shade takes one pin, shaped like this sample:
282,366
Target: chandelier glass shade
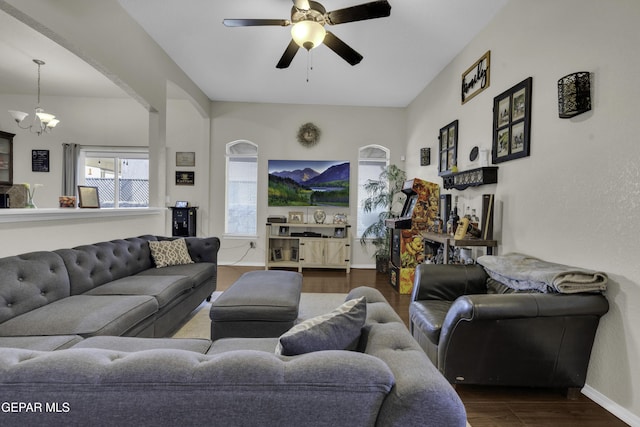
42,121
308,34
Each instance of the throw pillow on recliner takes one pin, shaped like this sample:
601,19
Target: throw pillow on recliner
170,252
337,330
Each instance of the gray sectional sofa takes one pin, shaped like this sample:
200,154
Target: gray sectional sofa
52,300
102,380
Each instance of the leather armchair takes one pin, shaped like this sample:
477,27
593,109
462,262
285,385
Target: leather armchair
508,339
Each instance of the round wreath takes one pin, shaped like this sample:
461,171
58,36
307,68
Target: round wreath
308,134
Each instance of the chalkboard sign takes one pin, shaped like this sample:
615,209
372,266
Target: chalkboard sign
39,160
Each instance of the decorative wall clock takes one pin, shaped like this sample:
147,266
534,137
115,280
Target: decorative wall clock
308,134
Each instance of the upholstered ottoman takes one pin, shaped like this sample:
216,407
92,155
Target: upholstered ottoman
260,304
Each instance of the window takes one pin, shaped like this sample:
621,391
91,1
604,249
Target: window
372,159
121,175
242,188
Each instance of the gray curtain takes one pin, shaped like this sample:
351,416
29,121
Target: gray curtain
69,168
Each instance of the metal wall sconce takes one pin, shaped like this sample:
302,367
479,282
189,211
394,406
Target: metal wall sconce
574,94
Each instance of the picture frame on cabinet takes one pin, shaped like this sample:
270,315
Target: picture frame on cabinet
277,254
88,197
512,123
294,254
296,217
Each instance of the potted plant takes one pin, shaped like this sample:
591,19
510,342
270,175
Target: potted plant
381,195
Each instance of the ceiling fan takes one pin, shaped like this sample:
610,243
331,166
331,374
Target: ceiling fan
309,18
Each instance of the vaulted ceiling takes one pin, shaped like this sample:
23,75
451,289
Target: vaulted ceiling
402,53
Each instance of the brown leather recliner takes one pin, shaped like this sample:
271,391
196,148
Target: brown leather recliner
477,333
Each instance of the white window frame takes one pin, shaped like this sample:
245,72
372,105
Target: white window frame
248,151
116,153
368,154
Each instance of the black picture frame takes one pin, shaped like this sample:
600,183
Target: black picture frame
39,160
448,148
88,196
185,178
425,156
512,123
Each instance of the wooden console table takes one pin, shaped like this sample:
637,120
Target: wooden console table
449,241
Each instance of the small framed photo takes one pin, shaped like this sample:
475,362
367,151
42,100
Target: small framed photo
512,123
88,197
185,158
277,254
338,232
425,156
283,230
296,217
294,253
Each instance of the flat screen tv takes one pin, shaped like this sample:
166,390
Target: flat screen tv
308,183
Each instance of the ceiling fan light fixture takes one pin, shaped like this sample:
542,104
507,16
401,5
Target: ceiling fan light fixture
308,34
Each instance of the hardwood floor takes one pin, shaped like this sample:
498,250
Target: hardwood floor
486,406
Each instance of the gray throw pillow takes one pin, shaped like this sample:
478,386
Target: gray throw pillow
336,330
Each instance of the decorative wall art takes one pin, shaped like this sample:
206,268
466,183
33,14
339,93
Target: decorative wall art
574,94
512,123
425,156
308,183
185,158
476,78
185,178
448,138
39,160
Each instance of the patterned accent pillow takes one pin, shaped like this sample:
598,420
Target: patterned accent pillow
170,252
337,330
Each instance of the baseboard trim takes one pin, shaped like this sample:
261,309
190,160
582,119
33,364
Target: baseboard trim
611,406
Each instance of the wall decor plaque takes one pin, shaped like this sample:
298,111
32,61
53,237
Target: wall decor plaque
476,78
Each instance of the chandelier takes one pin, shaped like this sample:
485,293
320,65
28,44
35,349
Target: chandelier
42,121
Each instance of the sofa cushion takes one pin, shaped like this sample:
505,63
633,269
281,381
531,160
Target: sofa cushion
337,330
198,273
84,315
30,281
130,344
428,316
170,252
224,345
94,265
41,343
163,288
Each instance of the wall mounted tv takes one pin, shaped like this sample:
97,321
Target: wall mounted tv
308,183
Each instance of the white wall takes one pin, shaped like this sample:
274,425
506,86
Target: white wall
575,199
273,127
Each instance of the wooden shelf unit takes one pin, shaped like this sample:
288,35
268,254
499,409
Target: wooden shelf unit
301,246
448,241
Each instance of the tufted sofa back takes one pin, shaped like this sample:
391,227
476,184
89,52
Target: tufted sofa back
29,281
94,265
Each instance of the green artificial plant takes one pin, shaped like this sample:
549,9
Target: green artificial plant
381,194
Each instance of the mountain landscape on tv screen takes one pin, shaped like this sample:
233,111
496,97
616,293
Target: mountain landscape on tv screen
308,183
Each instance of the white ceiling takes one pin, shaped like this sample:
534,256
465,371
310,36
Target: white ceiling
402,53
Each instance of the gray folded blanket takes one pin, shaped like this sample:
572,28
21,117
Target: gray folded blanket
524,272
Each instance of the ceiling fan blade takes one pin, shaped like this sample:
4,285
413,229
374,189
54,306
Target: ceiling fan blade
288,55
342,49
375,9
302,4
255,22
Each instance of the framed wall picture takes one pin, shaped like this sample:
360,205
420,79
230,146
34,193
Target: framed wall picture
425,156
185,178
185,158
476,78
448,147
512,123
88,197
39,160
